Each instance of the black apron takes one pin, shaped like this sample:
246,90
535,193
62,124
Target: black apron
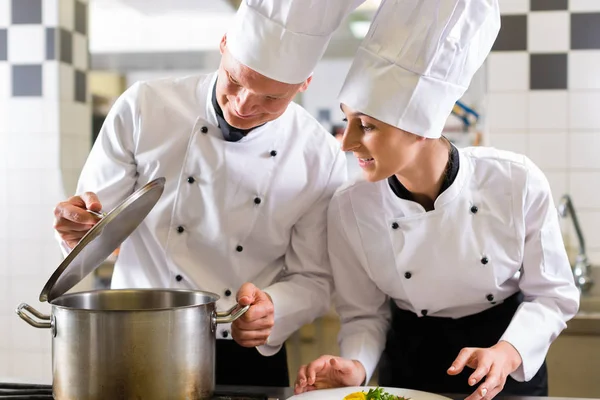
419,351
237,365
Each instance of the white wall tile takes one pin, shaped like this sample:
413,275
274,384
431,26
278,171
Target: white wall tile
583,5
3,180
548,150
33,151
590,221
32,367
514,7
583,69
31,223
6,79
50,75
50,12
75,119
66,14
4,231
594,257
584,150
25,337
583,110
5,336
508,111
25,115
22,192
516,142
24,257
548,31
508,71
67,82
34,36
5,11
548,109
80,51
585,190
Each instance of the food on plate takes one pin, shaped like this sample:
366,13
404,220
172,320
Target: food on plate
374,394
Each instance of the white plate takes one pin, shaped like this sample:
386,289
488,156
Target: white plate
340,393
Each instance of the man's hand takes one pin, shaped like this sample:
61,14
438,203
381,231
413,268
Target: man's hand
254,327
72,221
494,363
329,372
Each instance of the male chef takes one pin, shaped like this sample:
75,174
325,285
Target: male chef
249,175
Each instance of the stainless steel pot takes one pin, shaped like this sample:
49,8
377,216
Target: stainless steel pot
133,344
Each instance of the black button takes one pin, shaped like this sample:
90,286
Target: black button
407,275
225,334
239,249
490,297
484,260
273,153
424,312
257,200
228,293
204,129
179,278
493,302
191,179
180,229
395,225
474,209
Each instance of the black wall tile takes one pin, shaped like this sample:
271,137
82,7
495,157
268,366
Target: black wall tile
26,11
27,80
585,31
513,33
548,71
545,5
80,86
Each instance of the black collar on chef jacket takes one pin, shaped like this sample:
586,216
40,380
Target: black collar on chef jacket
230,133
451,172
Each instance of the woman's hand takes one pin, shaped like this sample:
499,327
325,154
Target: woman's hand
494,363
329,372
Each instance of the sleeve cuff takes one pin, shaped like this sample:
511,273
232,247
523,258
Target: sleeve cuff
268,350
357,347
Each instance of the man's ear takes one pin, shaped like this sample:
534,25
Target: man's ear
223,44
305,84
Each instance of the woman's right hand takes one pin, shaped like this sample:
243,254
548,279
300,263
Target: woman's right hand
329,372
72,221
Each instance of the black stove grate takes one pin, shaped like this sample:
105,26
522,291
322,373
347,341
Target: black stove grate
26,391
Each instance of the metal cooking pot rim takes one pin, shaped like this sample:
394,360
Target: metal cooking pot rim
143,290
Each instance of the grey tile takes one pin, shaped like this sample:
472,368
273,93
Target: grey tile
81,17
548,71
513,33
27,80
66,46
585,31
3,45
50,44
26,11
80,86
544,5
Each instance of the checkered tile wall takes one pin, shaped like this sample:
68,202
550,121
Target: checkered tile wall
34,33
548,31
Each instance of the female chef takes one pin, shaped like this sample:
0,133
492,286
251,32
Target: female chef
449,265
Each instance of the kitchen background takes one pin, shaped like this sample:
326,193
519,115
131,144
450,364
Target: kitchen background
63,63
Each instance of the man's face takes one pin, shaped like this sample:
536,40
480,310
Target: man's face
247,98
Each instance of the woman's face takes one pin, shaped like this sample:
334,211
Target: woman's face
381,149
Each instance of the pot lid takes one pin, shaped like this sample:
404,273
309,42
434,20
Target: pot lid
103,239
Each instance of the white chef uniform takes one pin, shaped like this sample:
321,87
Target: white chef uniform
494,231
232,212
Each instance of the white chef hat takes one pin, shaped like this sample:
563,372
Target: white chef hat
284,39
418,59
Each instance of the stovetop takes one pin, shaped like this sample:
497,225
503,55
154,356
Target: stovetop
27,391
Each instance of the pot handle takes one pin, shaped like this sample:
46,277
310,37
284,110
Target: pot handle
225,317
36,313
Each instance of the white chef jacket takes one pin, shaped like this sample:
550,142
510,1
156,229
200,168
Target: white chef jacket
493,232
231,212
